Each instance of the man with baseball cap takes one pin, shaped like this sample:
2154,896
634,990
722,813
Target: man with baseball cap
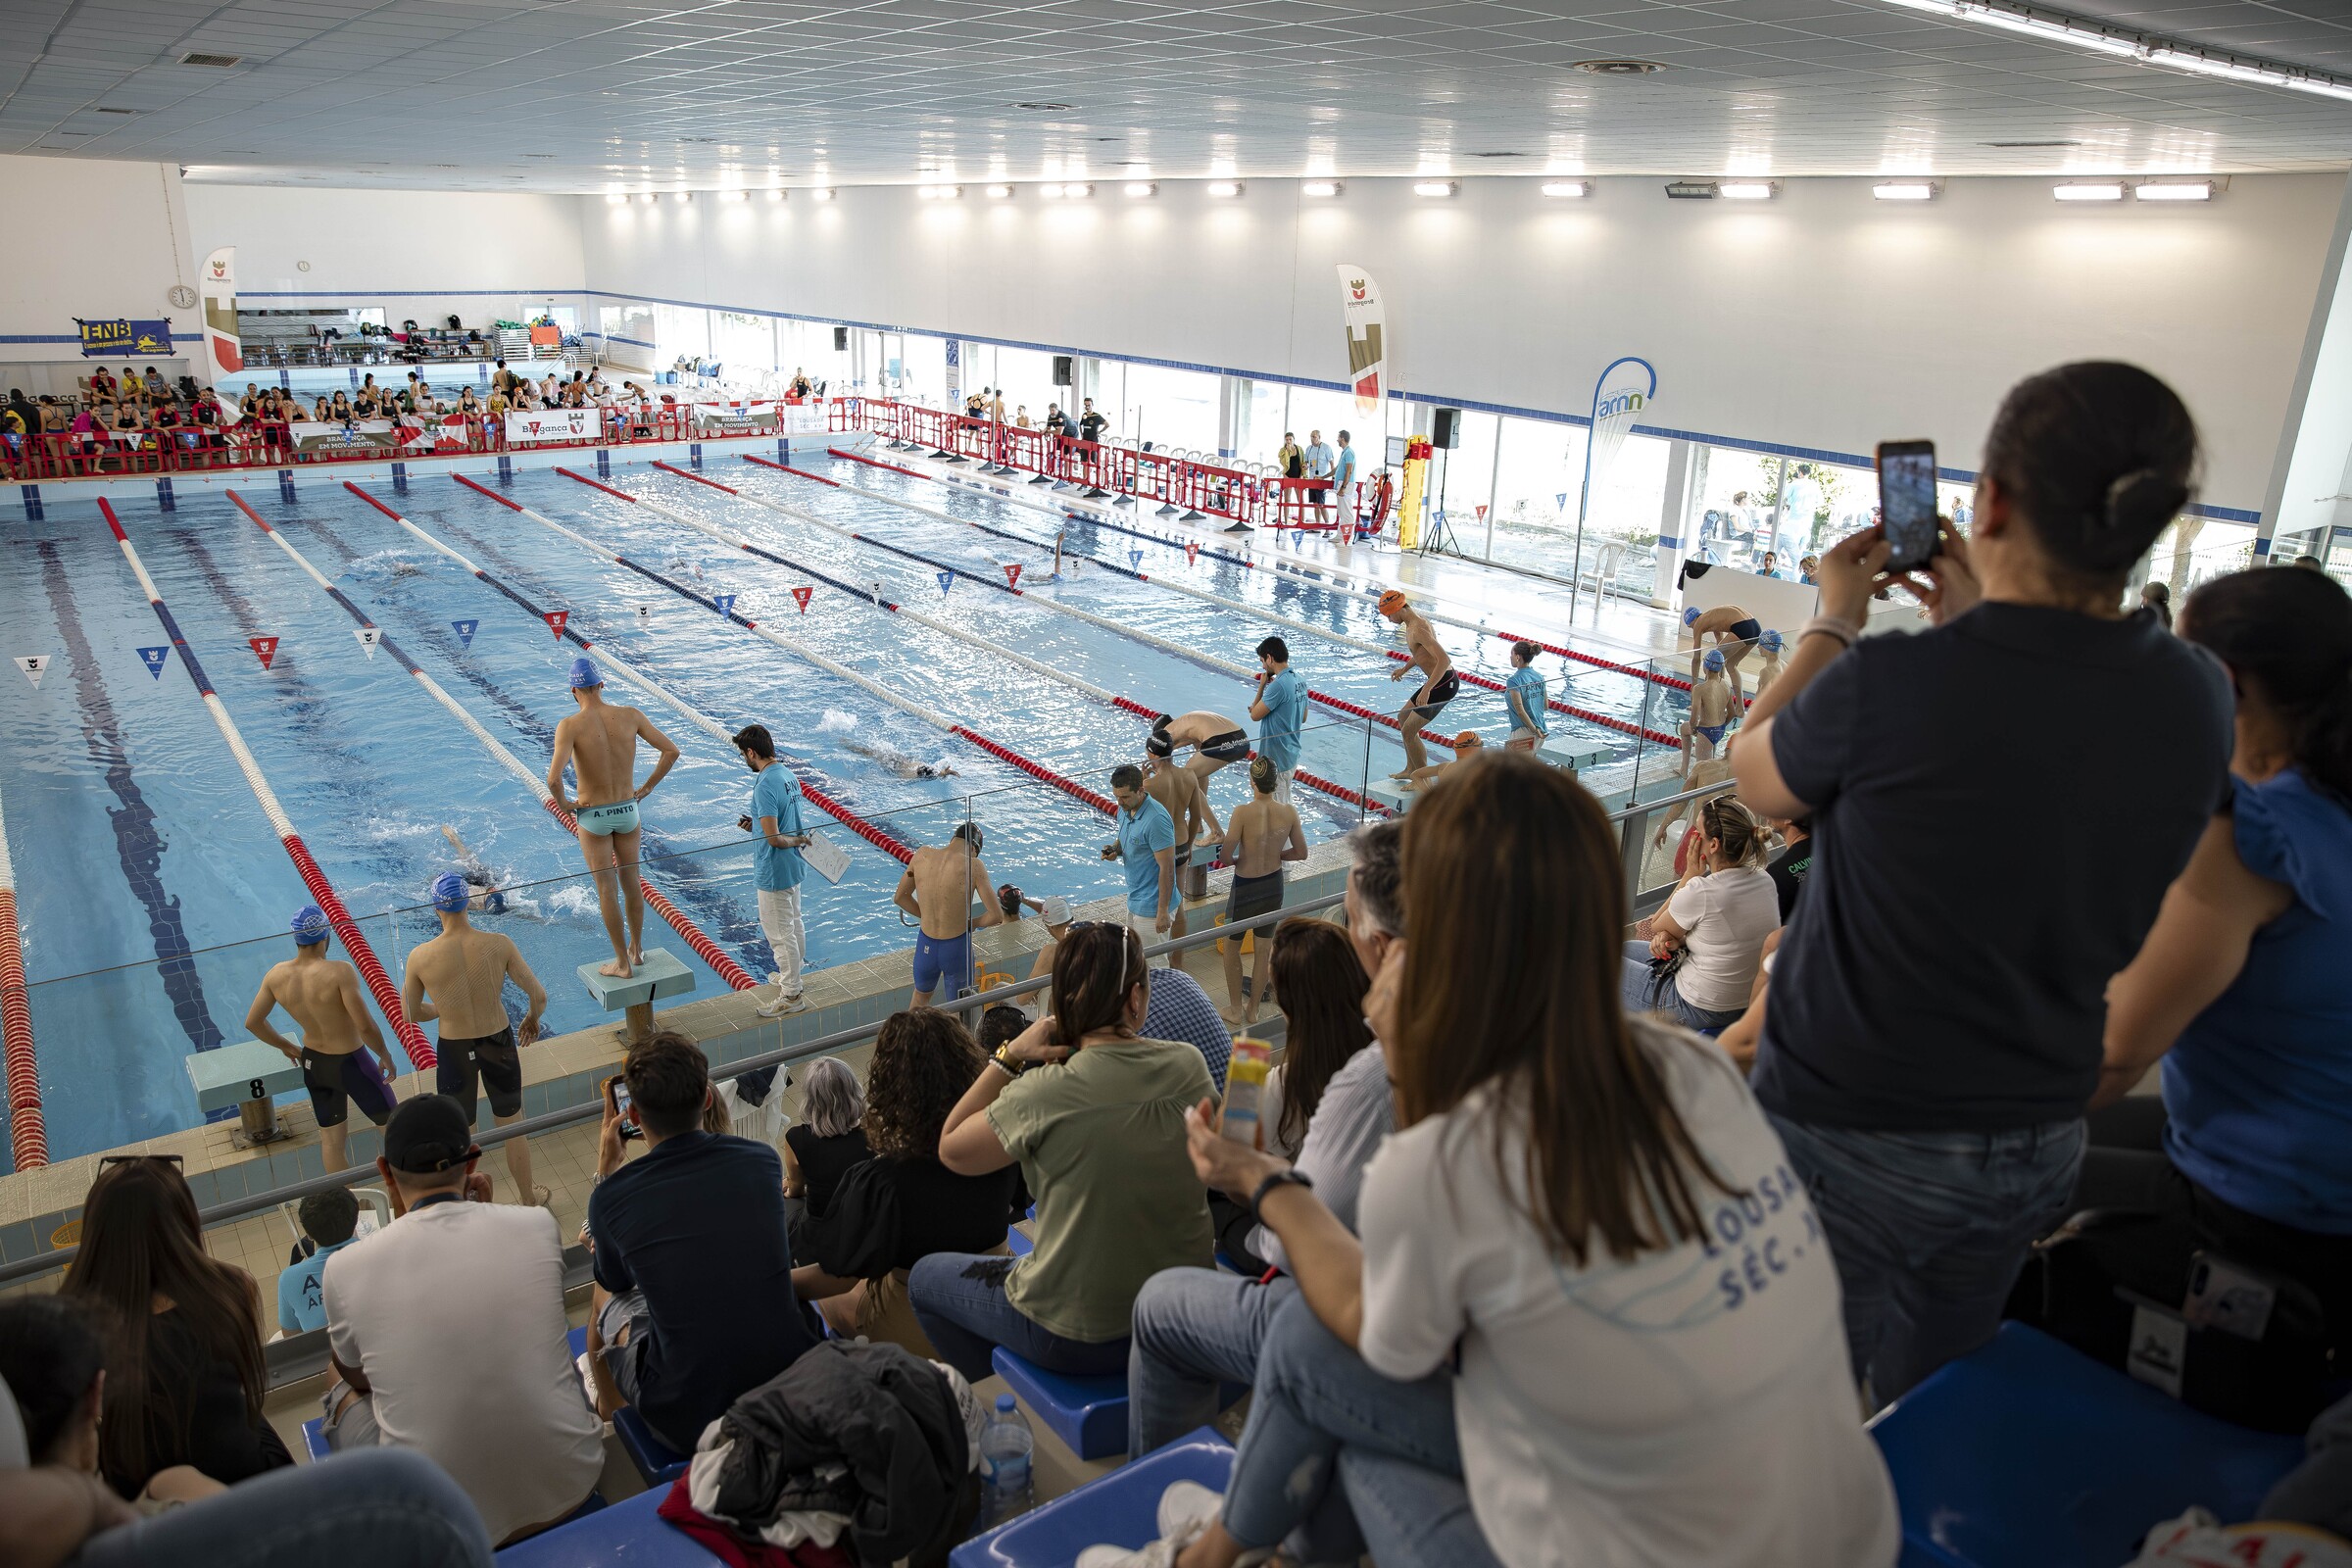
459,978
498,1405
323,995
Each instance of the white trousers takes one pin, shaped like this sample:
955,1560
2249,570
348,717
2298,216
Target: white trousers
780,919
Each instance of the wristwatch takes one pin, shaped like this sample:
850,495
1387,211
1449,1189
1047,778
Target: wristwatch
1285,1177
1012,1065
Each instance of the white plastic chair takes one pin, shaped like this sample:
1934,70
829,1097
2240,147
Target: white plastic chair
1608,561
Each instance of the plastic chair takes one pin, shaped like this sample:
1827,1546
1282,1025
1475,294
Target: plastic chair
1119,1509
1088,1415
626,1534
656,1461
2030,1454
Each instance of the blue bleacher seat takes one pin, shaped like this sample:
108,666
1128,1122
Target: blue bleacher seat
1018,1241
313,1439
626,1534
656,1461
1119,1509
2030,1454
1088,1415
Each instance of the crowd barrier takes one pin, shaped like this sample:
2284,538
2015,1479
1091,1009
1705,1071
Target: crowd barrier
1192,486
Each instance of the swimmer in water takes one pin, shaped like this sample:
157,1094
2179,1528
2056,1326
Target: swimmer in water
600,744
1710,713
487,897
1439,682
906,765
1734,632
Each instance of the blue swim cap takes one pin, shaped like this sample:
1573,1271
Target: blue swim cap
583,674
309,925
1770,642
1713,661
449,892
1690,616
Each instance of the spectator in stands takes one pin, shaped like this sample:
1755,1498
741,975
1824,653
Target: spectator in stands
903,1205
1700,963
1178,1009
1792,863
155,385
829,1138
2241,986
1551,1219
1927,1055
2156,599
187,1359
801,386
101,383
53,1360
498,1405
328,1219
1094,1113
694,1302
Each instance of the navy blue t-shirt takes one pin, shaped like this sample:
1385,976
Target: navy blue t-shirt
697,1224
2001,803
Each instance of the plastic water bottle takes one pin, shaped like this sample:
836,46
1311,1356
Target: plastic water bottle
1006,1445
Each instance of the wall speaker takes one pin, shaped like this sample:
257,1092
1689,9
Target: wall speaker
1446,428
841,340
1065,370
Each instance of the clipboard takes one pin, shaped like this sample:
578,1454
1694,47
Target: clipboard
825,857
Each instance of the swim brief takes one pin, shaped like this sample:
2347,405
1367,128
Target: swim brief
619,817
1748,630
951,956
1438,696
495,1060
1230,747
1712,732
1253,895
334,1082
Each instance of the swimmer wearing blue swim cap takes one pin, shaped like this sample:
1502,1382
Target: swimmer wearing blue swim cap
1734,632
450,893
324,997
1711,710
459,978
1769,670
598,744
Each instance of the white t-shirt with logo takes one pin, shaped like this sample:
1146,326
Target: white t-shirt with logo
1692,1407
1727,916
455,1315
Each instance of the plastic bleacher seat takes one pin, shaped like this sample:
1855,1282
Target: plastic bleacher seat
1088,1415
2030,1454
1018,1241
1120,1509
627,1534
313,1439
656,1461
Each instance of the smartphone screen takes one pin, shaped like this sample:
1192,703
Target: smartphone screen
618,1093
1907,502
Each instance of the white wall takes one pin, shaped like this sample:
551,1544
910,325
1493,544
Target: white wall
115,240
1825,321
423,253
2311,476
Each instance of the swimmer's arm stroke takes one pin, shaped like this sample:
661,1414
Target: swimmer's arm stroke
258,1025
663,747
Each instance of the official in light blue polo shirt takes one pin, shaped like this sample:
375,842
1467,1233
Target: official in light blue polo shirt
1280,712
1524,694
1343,481
1148,844
777,868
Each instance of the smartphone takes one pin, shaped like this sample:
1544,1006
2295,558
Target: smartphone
616,1095
1907,502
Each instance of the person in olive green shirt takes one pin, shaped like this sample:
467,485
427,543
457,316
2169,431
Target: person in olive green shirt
1094,1113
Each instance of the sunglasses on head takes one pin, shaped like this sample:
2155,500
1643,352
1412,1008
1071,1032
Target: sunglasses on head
125,1159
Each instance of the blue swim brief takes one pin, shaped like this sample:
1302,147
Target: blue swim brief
937,956
1712,732
603,820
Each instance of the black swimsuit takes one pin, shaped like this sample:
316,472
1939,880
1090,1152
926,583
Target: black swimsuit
1230,747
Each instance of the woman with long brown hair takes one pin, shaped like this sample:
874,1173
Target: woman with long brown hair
1094,1114
186,1383
1587,1213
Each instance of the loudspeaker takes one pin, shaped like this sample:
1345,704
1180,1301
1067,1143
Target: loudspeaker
1446,428
1065,370
840,339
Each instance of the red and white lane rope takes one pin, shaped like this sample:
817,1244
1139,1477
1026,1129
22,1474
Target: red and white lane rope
363,956
710,951
27,1131
878,836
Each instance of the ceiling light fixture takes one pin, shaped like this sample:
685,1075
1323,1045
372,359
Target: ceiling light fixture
1320,189
1748,190
998,193
1052,193
821,193
683,196
2174,190
940,193
734,195
1435,188
2099,190
1137,189
1904,190
616,198
1223,189
1076,193
2139,47
1691,190
1619,68
216,62
775,195
1568,188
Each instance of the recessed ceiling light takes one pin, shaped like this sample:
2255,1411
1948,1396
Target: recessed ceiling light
651,199
1748,190
103,110
733,195
1224,188
1052,193
1077,193
2089,191
2175,190
821,193
775,195
616,198
1320,188
1691,190
682,196
1904,190
998,193
940,193
1619,68
1136,190
216,62
1435,188
1567,187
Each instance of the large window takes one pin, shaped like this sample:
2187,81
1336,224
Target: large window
680,331
744,344
1167,408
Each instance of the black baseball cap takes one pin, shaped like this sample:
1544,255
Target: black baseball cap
428,1135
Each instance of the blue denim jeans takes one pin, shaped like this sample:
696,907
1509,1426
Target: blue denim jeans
383,1508
1643,992
1930,1231
958,1297
1195,1328
1322,1416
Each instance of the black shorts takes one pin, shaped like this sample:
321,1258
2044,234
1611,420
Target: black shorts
1437,695
1315,494
1746,632
1230,747
495,1060
1253,895
334,1082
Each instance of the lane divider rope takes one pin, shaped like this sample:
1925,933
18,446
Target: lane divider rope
28,1127
322,893
710,951
878,836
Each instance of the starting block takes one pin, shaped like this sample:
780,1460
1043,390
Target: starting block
1385,791
1560,751
658,976
248,1075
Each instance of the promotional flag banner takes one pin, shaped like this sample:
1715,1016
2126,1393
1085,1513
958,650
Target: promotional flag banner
368,637
267,647
800,597
35,666
555,619
1624,388
1013,574
223,348
466,630
1135,558
1191,551
947,580
723,603
1367,331
153,659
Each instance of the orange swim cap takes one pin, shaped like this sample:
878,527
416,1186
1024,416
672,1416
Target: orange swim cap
1391,605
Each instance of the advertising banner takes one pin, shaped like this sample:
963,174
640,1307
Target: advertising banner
223,349
551,424
1367,323
411,434
121,337
734,419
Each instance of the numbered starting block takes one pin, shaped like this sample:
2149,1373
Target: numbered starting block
1391,793
250,1076
658,976
1561,752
